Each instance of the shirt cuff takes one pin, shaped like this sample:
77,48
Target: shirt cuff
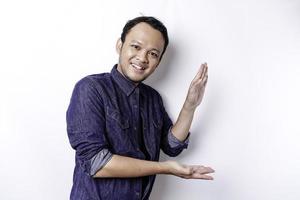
100,160
174,142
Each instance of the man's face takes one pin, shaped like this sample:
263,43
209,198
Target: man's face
140,53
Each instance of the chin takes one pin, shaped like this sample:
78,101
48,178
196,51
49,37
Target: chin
137,80
134,79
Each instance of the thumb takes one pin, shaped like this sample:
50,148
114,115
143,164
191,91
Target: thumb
187,170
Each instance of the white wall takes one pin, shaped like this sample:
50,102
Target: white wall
246,128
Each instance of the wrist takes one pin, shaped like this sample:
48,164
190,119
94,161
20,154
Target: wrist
164,167
188,108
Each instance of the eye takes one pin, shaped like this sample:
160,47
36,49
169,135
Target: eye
154,55
137,47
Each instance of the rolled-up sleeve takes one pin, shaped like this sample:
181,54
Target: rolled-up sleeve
86,127
100,160
175,143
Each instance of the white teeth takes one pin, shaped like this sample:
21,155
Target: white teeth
137,67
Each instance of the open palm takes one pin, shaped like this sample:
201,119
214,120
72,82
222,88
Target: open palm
197,88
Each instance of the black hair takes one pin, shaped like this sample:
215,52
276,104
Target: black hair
153,22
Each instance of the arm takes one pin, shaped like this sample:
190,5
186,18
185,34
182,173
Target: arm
85,126
121,167
194,97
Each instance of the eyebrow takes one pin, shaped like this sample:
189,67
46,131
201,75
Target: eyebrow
135,41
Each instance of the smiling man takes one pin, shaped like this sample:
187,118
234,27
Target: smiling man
117,124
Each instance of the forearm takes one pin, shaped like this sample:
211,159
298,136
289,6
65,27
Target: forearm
194,97
183,123
124,167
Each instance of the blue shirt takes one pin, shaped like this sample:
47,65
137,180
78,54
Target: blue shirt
108,114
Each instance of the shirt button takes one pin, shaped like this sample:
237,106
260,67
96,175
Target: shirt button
134,128
137,193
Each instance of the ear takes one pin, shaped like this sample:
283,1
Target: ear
119,45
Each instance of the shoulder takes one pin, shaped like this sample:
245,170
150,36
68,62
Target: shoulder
94,81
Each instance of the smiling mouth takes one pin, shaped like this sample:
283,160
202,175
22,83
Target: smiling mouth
137,67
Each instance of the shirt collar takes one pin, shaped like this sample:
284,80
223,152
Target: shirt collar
127,86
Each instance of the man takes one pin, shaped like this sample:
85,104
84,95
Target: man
117,124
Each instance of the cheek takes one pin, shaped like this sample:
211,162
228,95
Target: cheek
152,67
129,53
125,55
154,63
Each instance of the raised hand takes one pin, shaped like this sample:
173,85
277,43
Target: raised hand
197,88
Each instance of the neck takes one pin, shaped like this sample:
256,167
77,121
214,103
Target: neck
119,70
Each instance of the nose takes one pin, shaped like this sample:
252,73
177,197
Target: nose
142,56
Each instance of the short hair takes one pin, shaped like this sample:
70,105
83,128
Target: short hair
153,22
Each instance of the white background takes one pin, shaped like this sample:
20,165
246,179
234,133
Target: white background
247,127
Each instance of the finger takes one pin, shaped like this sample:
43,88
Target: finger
203,170
199,73
207,170
202,176
202,81
204,71
198,176
205,79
